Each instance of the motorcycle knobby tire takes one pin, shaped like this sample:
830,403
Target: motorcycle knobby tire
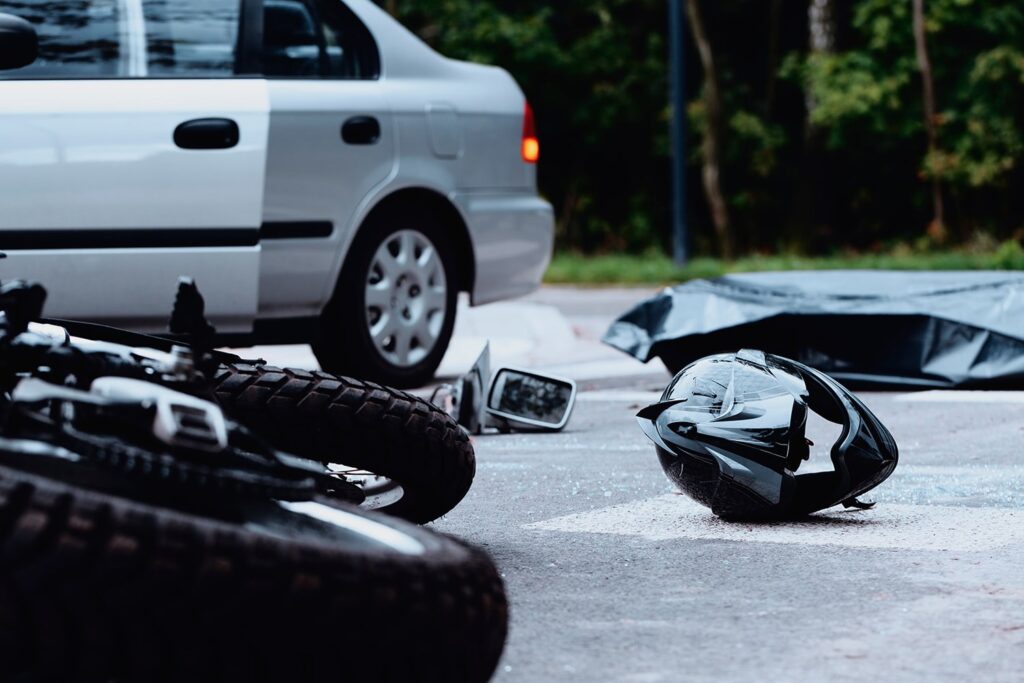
337,419
97,588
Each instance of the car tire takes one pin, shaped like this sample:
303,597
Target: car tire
393,311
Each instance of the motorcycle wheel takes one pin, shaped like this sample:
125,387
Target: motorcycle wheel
97,587
377,430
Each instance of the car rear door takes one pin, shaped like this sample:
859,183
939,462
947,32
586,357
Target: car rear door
331,144
133,151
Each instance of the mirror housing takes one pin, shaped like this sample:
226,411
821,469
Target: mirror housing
528,400
471,394
19,43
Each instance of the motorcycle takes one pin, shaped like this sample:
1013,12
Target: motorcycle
145,535
408,457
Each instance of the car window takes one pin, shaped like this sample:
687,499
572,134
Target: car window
129,38
316,39
293,44
191,37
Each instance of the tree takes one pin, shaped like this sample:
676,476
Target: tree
713,133
937,229
812,185
771,78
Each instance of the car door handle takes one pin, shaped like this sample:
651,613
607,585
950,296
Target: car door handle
207,134
361,130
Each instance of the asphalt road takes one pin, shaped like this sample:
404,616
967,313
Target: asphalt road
614,577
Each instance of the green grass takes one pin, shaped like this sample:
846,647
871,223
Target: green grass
658,269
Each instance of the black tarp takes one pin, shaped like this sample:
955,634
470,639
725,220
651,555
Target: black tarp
865,328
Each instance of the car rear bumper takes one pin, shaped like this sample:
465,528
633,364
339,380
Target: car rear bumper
513,236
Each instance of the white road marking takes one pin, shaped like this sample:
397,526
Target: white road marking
909,527
611,367
944,396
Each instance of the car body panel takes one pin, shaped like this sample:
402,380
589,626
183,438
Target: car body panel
313,175
93,163
135,287
449,128
512,242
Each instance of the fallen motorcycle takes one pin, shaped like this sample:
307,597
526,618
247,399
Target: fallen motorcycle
409,457
146,537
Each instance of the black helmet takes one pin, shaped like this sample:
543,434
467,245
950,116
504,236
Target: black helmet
729,431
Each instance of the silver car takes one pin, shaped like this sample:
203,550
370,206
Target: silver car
324,175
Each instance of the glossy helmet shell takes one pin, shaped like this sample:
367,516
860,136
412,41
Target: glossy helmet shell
729,431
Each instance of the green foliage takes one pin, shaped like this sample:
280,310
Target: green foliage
1009,257
655,268
853,97
870,92
852,170
985,134
755,142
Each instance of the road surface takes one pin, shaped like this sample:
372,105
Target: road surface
612,576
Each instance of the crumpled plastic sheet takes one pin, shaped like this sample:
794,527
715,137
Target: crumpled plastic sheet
868,329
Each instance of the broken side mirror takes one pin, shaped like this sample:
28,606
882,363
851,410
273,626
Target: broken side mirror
510,399
464,399
527,400
470,394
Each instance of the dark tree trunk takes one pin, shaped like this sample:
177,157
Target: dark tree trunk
564,227
937,229
714,134
812,205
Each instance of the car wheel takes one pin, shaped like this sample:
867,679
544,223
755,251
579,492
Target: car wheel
392,315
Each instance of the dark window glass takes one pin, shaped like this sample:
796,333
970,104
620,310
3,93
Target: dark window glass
316,39
293,44
129,38
191,37
77,38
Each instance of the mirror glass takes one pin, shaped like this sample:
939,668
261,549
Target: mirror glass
530,397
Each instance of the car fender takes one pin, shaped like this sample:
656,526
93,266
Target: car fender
385,192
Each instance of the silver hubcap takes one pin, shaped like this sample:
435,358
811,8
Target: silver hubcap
406,298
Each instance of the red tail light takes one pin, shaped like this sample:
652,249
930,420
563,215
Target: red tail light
531,146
